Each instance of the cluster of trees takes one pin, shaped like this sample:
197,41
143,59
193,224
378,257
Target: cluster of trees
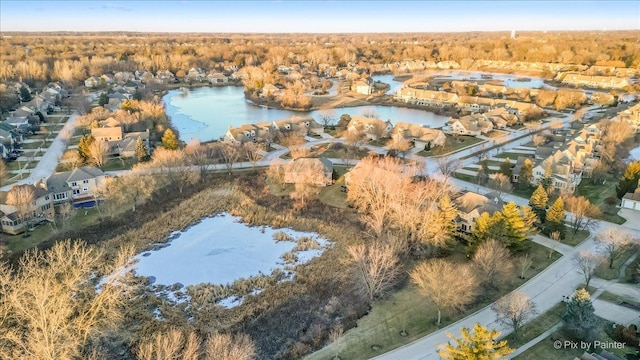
511,226
73,57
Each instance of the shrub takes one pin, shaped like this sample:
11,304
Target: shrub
306,243
289,257
282,236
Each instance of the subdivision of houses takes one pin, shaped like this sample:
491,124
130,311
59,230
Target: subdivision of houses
14,220
419,135
165,77
518,108
470,125
315,171
470,205
595,81
196,74
372,128
91,82
474,104
217,78
78,186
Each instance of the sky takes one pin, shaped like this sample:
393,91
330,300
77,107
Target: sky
327,16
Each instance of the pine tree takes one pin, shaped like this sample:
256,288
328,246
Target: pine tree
481,228
538,202
428,146
515,227
83,147
103,100
547,181
142,153
526,174
629,180
483,171
169,140
505,168
447,214
580,317
555,218
480,344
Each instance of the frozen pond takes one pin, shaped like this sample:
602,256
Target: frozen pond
221,249
206,113
634,154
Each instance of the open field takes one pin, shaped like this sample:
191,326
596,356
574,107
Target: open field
451,144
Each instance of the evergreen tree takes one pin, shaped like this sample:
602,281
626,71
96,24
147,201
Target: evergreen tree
447,214
169,140
83,147
555,218
580,317
481,344
538,202
629,180
428,146
515,227
505,168
526,174
142,153
25,95
103,100
483,171
481,228
547,181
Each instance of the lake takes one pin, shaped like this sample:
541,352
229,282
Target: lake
206,113
219,250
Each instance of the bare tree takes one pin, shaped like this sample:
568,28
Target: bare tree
253,152
538,139
138,185
290,139
399,145
230,155
370,113
450,286
276,173
525,263
98,151
614,241
22,197
587,263
65,213
307,177
377,268
70,159
50,309
501,183
514,310
335,335
582,213
493,261
448,165
327,117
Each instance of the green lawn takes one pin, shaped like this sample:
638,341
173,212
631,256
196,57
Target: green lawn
545,349
451,144
598,193
537,326
410,311
617,299
333,195
577,239
117,164
32,145
604,272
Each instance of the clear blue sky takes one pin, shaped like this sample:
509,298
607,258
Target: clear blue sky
317,16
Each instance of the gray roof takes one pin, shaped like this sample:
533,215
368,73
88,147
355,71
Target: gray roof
57,183
328,165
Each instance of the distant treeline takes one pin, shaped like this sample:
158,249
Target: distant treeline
71,57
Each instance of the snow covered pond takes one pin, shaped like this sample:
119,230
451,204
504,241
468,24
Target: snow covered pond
221,249
634,154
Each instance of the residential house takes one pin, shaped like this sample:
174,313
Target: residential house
564,175
91,82
165,77
270,90
126,148
420,136
41,209
518,108
10,134
630,115
424,97
217,78
132,86
260,132
475,104
372,128
363,86
471,205
196,74
123,77
471,125
595,81
79,186
107,78
303,125
318,171
631,200
115,133
492,89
